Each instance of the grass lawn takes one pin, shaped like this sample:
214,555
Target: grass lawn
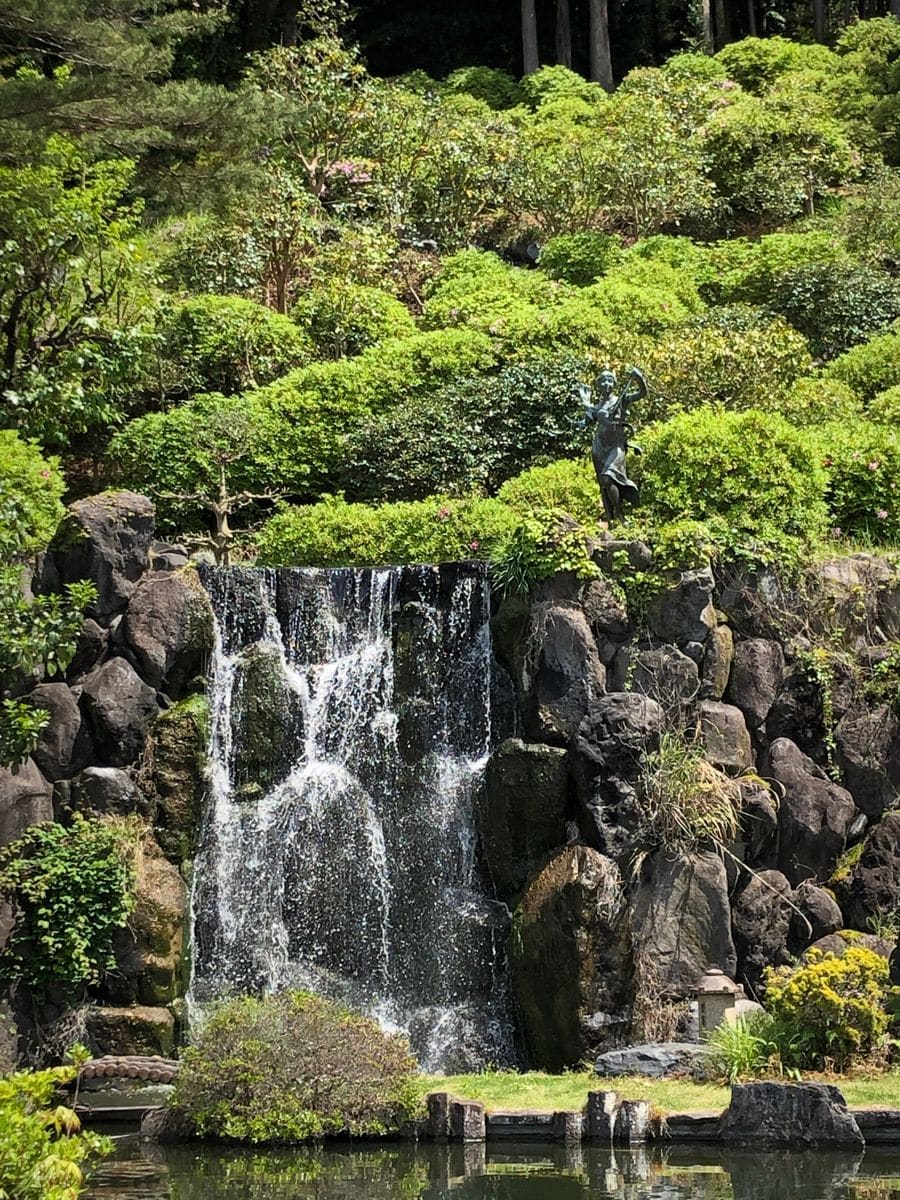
533,1089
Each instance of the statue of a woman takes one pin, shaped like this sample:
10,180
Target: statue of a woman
610,410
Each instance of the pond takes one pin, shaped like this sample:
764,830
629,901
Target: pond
498,1172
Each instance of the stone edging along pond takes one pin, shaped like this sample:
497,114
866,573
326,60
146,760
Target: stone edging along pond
795,1115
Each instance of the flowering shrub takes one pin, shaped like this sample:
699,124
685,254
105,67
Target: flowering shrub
830,1009
862,461
870,368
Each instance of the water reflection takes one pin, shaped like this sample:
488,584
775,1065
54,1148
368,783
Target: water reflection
507,1172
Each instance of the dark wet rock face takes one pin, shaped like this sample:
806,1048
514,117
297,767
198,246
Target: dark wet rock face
64,746
118,708
762,921
25,800
795,1115
565,673
873,888
814,815
169,627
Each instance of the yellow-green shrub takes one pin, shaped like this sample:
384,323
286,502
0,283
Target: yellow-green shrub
829,1009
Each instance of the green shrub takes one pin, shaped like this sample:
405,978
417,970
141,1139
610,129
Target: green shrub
815,401
470,434
228,344
73,886
336,534
872,49
343,319
870,368
689,258
743,271
550,84
645,297
885,408
862,461
567,486
496,88
836,305
751,475
42,1149
178,456
478,290
831,1010
694,68
31,489
293,1067
755,63
580,258
752,364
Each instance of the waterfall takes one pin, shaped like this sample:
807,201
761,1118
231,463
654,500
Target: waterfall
350,730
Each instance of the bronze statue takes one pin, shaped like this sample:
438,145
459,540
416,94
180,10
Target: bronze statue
609,409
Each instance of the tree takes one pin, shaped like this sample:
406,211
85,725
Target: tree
563,33
74,293
39,632
601,57
530,55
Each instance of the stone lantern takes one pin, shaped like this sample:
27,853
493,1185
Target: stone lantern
717,996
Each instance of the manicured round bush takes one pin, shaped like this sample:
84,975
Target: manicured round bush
496,88
294,1067
569,486
690,67
344,319
645,297
836,305
872,48
336,534
830,1010
554,83
469,435
478,290
862,461
755,63
31,489
580,258
749,364
870,368
885,408
751,472
690,258
817,400
743,271
228,344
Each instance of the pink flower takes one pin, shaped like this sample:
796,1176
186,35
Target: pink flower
874,465
836,531
473,545
826,462
443,514
881,514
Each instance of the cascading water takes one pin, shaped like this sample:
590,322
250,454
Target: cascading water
350,732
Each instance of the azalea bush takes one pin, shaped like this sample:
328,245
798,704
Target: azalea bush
862,462
293,1067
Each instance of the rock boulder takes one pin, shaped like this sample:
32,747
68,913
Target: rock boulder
118,708
26,799
814,815
169,627
795,1115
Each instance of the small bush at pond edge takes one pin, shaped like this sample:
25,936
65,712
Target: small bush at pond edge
293,1067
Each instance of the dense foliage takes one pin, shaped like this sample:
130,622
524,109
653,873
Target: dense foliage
73,888
43,1153
293,1067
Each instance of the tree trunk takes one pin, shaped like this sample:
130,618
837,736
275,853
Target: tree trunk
601,60
721,25
751,18
564,33
530,57
709,41
819,32
894,8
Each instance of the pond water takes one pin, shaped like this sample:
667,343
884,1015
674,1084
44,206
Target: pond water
507,1172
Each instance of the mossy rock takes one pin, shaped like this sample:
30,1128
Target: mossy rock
267,721
178,754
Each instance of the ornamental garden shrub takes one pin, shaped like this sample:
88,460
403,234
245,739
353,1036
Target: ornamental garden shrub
645,297
836,305
748,363
580,258
227,344
743,271
344,319
755,63
752,476
830,1010
477,289
31,489
862,463
294,1067
816,400
473,433
885,408
568,486
691,259
869,368
334,533
496,88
